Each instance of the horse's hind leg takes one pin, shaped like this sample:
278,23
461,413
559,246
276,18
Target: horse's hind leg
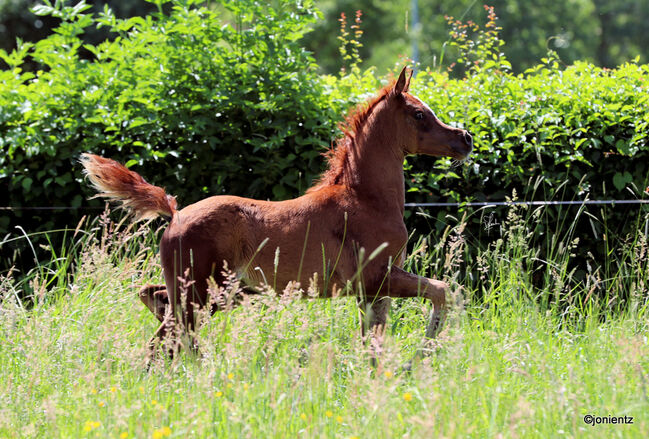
176,313
155,298
177,319
165,335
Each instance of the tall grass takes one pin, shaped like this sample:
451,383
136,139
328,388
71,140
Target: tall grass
527,351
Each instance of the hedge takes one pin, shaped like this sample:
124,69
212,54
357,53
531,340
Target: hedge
552,133
226,100
221,100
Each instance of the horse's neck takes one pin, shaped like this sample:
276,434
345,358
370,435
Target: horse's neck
378,161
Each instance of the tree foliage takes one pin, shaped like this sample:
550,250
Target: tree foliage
19,23
606,32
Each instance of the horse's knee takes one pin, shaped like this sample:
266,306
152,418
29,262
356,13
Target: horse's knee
436,292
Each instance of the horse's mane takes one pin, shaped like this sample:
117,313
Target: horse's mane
337,157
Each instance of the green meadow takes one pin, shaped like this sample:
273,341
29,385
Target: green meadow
546,334
514,359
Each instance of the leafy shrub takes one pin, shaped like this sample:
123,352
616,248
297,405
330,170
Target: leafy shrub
18,22
552,133
221,100
225,100
549,134
583,125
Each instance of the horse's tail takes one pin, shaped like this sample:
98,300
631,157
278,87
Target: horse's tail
113,180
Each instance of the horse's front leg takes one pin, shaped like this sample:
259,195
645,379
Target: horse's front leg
374,314
404,284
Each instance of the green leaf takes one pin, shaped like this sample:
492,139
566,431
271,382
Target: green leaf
138,122
623,146
620,180
42,10
27,183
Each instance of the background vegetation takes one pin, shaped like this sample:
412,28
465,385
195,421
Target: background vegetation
209,108
512,361
606,33
227,100
548,316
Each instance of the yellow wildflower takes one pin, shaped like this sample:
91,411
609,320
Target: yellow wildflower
166,431
230,376
407,396
303,416
329,413
91,425
339,419
387,374
123,435
218,394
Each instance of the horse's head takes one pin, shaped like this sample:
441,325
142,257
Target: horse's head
422,132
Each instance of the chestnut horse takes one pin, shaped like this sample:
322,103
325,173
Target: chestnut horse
356,206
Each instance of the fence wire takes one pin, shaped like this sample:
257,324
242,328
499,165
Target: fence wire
454,204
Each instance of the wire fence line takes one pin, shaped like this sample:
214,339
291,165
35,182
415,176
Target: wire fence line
454,204
526,203
50,207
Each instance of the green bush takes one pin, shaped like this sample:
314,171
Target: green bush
221,100
18,22
551,134
226,100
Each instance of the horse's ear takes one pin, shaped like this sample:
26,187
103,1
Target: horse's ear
403,83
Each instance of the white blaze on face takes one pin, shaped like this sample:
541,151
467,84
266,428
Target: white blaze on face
424,105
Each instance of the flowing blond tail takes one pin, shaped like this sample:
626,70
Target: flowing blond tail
114,181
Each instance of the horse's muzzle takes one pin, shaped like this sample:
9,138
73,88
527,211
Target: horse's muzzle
468,139
464,145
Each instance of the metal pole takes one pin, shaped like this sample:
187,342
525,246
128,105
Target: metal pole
415,32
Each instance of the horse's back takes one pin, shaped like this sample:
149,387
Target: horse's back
231,229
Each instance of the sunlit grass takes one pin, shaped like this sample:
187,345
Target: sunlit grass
510,361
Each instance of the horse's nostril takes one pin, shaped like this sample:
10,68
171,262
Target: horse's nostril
468,139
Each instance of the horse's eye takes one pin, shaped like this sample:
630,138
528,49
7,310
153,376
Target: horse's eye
419,115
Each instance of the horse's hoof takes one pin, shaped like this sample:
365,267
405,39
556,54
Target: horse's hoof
406,367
